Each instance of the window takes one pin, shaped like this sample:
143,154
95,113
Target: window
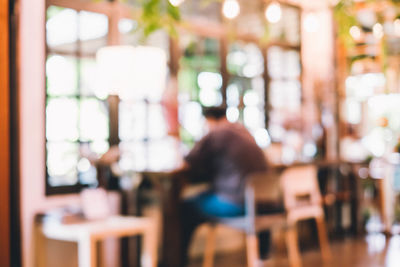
200,81
284,71
143,131
76,118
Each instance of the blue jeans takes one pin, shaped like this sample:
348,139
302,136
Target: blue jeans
210,205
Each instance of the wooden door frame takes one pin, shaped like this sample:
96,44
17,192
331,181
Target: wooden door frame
5,251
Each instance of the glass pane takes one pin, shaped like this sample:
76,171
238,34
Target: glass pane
210,84
62,119
251,19
258,86
132,123
163,154
157,126
191,119
285,95
245,92
62,75
130,35
287,26
93,120
89,78
291,24
293,65
133,156
99,146
232,95
87,173
245,60
62,159
62,29
93,29
232,114
200,55
283,63
252,117
275,62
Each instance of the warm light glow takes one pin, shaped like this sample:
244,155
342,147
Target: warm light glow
126,25
262,137
231,9
273,13
397,27
355,32
132,72
250,98
378,30
176,2
310,23
232,114
83,165
209,80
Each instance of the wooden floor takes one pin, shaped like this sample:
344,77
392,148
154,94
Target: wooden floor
371,251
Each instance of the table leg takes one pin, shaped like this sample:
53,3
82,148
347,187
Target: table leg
40,249
171,248
87,256
149,251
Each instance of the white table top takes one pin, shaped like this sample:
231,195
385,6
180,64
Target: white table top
116,226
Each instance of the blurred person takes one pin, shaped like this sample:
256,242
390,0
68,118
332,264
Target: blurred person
224,157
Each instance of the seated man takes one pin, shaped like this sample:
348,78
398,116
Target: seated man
224,158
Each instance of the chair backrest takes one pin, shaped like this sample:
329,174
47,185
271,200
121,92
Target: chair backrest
262,188
266,186
300,186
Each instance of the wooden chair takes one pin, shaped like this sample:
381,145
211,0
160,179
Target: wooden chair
303,200
252,223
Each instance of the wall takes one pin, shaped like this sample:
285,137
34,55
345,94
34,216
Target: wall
4,137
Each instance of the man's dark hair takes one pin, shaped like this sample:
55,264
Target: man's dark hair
214,112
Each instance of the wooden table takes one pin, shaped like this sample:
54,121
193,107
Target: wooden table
86,234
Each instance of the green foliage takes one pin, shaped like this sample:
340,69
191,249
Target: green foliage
345,18
159,14
344,14
53,11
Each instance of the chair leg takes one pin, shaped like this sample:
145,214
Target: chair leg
210,247
323,238
252,250
293,246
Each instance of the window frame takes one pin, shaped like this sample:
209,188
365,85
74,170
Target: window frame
108,9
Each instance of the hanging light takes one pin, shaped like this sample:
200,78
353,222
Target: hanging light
273,12
397,27
355,32
231,9
377,30
176,2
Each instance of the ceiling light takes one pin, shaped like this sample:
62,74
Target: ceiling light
378,30
273,13
355,32
176,2
231,9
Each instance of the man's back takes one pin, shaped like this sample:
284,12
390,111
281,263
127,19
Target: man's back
225,157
